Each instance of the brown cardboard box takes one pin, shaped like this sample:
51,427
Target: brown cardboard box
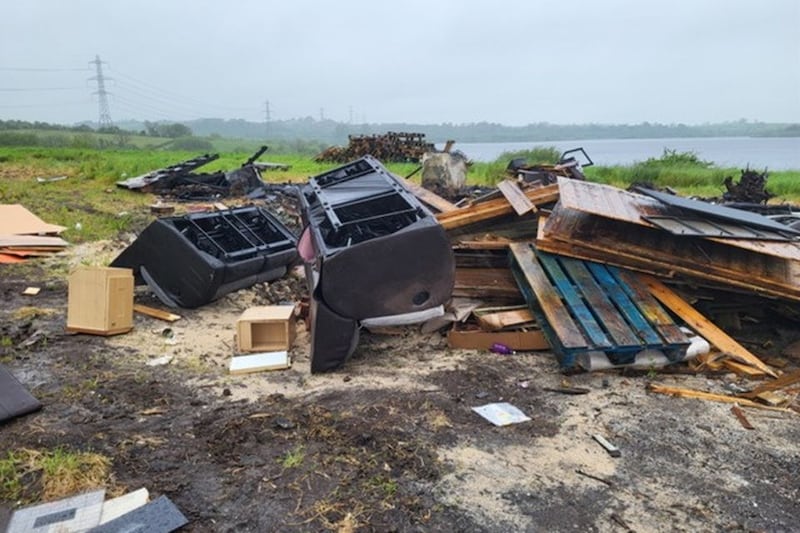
266,329
100,300
477,339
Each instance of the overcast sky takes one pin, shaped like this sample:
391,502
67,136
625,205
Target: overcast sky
458,61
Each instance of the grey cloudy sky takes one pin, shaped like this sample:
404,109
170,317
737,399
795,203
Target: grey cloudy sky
512,62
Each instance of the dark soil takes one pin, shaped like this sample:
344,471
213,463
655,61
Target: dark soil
371,458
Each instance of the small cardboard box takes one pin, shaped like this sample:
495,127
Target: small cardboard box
477,339
267,328
100,300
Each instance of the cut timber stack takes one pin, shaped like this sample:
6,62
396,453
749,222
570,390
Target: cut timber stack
390,147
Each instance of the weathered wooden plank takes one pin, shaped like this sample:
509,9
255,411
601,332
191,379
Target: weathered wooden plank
702,325
494,208
558,317
701,395
516,197
573,298
649,307
627,307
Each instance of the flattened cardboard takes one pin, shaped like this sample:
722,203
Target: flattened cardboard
16,220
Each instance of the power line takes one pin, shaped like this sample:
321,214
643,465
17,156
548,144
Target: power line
29,69
26,89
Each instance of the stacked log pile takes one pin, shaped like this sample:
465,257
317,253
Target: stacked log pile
395,147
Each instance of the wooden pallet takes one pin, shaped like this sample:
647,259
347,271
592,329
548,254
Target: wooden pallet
588,307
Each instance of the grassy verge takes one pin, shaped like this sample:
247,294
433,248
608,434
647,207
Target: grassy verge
32,475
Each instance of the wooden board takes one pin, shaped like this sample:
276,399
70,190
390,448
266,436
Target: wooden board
430,198
702,325
516,197
494,208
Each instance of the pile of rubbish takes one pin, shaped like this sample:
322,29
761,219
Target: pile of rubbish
391,147
181,182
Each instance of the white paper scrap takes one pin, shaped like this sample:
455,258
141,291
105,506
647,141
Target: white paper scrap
501,414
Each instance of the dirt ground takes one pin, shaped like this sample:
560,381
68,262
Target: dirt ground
389,442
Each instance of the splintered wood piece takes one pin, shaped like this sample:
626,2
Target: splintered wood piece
702,325
31,291
737,411
700,395
156,313
516,197
784,381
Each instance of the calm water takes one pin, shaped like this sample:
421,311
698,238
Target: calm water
773,153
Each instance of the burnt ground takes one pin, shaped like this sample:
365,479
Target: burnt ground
389,442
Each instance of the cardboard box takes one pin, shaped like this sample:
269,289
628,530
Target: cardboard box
266,329
100,300
477,339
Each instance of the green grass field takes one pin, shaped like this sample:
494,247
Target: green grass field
90,205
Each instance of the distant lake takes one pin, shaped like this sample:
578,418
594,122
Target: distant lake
772,153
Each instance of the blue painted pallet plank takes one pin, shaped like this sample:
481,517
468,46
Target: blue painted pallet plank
626,306
592,330
655,314
604,310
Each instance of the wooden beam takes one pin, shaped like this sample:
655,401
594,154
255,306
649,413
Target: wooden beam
430,198
702,325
